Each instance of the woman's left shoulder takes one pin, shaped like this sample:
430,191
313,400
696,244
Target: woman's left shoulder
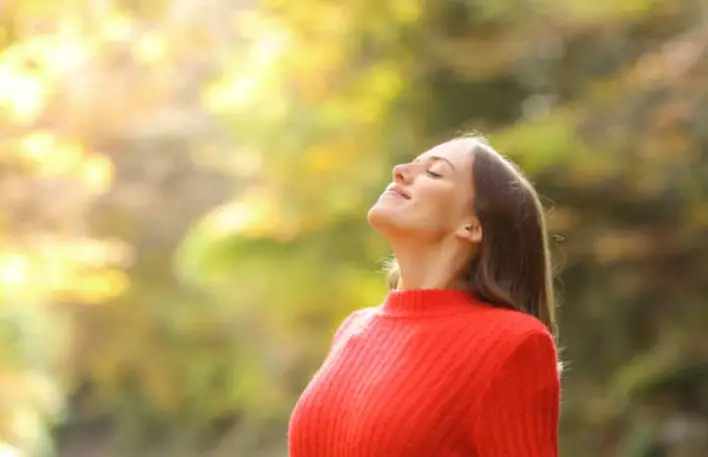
506,330
511,325
526,343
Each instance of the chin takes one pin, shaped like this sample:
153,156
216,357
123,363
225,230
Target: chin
376,216
385,220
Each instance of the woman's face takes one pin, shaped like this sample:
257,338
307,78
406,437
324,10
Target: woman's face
431,197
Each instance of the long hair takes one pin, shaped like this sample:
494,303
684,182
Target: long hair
512,266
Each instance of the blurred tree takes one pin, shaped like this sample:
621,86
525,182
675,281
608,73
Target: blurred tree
600,103
87,102
126,122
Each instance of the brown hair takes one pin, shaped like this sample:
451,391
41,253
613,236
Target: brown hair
512,266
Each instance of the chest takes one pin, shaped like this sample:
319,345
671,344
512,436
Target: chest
399,395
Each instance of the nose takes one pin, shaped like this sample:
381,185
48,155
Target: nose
402,174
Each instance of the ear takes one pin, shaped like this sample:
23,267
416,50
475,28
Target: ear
470,232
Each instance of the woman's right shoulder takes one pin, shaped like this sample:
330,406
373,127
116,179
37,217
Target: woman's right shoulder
353,323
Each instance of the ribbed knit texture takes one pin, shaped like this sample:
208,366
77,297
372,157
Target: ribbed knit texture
432,373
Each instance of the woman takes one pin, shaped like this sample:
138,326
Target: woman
460,359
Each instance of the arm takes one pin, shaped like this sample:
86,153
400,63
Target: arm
519,408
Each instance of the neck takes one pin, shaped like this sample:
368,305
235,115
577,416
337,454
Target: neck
428,266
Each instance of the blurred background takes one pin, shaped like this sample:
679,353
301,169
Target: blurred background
184,186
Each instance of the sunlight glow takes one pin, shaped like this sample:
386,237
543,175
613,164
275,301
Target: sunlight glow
83,270
28,70
118,28
67,56
8,451
150,48
14,271
50,156
37,146
251,215
97,173
253,81
22,96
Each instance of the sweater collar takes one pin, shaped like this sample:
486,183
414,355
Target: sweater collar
426,302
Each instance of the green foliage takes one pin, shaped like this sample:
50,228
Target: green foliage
206,233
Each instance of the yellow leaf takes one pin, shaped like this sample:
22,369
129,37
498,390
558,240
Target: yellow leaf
150,48
22,96
37,146
118,28
97,173
252,215
94,288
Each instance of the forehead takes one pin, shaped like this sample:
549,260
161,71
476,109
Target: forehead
458,152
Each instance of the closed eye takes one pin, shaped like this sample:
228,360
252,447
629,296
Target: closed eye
433,174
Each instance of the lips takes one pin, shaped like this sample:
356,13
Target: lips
399,191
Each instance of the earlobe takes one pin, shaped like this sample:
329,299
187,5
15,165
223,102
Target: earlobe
475,231
472,232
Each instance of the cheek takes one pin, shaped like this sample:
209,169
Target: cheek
442,206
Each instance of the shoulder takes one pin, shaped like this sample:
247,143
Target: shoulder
526,366
520,355
521,345
505,335
352,322
520,388
510,327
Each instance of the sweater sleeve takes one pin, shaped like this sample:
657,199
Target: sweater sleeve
519,408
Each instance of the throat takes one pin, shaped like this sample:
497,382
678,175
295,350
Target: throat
430,267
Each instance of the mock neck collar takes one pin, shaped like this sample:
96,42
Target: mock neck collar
426,302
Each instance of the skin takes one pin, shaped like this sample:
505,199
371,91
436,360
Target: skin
432,229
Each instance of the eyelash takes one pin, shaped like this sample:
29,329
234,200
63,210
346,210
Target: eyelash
433,174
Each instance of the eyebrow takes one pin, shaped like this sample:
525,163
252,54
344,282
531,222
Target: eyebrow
437,159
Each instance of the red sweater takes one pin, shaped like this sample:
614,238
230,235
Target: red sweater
432,373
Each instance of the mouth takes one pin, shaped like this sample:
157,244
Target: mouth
399,191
